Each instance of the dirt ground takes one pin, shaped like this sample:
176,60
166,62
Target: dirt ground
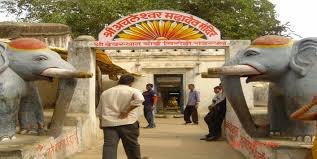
172,140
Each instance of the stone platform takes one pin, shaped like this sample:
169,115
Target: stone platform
71,141
275,147
27,147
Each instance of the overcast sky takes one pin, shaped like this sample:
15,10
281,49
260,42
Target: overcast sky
301,15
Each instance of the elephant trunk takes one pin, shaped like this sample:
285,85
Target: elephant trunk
64,73
237,70
234,94
230,77
66,91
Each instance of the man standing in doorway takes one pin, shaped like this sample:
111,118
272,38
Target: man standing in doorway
149,105
119,118
192,105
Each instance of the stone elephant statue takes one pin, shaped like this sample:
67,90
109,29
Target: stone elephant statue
12,88
24,61
290,67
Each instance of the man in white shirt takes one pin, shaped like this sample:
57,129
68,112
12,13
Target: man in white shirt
119,118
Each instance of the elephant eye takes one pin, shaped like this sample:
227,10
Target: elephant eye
40,58
251,53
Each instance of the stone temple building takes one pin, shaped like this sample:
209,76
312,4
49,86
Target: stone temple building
171,70
168,68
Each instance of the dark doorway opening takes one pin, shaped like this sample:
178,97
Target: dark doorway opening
169,88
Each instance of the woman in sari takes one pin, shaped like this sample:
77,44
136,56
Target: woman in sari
303,114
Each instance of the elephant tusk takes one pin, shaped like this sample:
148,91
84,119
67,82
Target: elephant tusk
237,70
64,73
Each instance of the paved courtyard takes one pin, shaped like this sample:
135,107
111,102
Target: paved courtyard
172,140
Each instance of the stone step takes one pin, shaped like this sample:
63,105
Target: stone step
30,146
260,115
72,119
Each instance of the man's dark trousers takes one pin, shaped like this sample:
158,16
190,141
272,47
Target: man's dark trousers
210,119
191,110
148,114
214,120
128,134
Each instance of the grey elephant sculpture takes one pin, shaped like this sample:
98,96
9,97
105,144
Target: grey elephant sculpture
9,100
289,66
25,60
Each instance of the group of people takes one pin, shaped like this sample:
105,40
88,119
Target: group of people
119,117
215,116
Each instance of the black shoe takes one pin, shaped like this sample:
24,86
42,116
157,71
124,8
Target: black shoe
187,123
208,135
212,138
204,138
195,123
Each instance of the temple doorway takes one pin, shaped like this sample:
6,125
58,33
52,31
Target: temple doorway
169,88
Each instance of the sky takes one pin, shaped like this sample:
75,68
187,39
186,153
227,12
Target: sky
300,14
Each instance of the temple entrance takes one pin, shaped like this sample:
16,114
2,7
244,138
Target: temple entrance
170,92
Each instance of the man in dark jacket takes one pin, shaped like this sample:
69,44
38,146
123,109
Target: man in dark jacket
149,105
215,117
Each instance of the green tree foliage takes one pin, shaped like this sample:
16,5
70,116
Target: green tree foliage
236,19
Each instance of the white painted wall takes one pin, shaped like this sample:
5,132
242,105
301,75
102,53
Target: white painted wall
188,63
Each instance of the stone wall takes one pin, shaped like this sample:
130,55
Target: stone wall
260,148
261,92
53,34
189,63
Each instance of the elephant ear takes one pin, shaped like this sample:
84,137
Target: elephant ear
4,62
304,55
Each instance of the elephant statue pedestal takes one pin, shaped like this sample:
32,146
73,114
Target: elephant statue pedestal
262,147
65,145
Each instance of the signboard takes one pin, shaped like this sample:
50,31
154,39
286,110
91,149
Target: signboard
162,44
159,25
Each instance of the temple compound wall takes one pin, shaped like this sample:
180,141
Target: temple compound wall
56,35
